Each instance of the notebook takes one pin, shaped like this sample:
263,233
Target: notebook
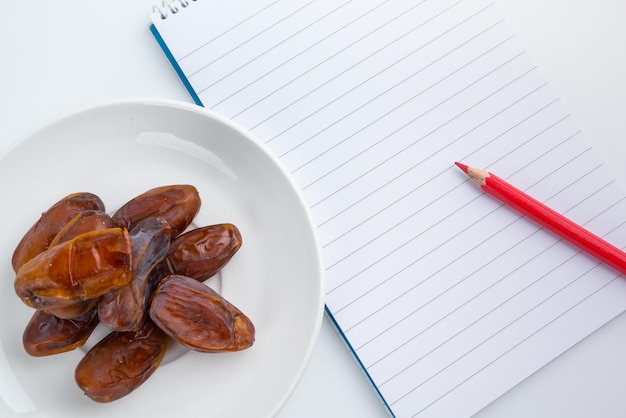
446,298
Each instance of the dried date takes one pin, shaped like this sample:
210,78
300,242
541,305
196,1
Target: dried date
124,309
85,267
198,317
177,204
39,236
74,310
202,252
121,362
85,221
47,334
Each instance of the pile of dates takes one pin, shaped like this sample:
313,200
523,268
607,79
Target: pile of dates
139,272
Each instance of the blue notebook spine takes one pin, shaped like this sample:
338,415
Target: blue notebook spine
175,65
356,357
166,9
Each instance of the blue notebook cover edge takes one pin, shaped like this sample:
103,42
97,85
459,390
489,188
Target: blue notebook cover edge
175,65
356,357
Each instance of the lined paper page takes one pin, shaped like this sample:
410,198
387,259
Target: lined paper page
447,298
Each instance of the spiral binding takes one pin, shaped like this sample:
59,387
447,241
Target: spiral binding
169,7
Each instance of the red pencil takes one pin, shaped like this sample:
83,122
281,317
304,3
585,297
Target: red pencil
547,218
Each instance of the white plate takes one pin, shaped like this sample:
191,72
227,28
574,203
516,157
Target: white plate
118,151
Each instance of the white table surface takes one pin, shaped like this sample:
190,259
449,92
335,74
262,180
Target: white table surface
59,56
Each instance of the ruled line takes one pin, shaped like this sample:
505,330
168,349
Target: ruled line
301,52
328,149
348,160
393,64
342,50
519,343
413,238
344,233
274,46
337,190
397,225
230,51
441,172
529,336
439,320
381,384
210,41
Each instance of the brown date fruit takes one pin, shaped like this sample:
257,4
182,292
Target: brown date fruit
202,252
177,204
124,309
85,267
85,221
39,236
121,362
198,317
75,310
47,334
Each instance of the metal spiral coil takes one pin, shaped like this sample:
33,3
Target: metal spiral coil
169,7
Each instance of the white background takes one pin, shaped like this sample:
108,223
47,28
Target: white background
57,57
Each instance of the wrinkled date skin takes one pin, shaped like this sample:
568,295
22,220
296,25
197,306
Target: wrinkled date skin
121,362
198,317
47,334
177,204
85,221
124,309
39,236
74,310
202,252
85,267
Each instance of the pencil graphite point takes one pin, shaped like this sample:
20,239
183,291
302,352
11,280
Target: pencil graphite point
476,175
462,166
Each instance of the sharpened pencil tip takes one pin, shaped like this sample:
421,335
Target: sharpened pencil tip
462,167
477,176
